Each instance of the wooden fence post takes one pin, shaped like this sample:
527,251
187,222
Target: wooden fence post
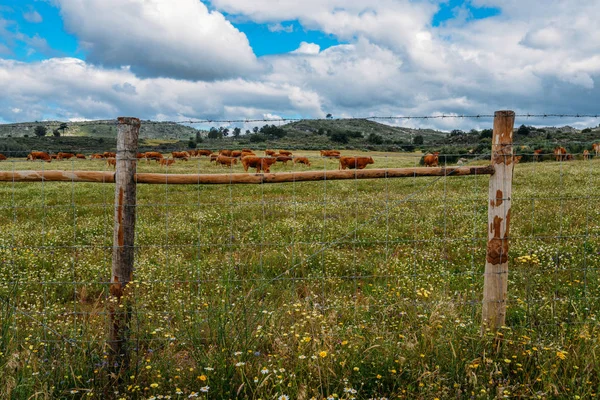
495,285
123,239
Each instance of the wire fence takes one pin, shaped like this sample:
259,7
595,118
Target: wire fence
232,277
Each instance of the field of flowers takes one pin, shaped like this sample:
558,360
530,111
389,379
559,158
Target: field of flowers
365,289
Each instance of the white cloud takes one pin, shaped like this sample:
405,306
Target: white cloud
33,17
278,27
307,48
159,38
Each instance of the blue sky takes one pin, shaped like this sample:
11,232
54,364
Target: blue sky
240,59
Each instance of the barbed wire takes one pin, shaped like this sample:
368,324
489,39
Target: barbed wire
294,119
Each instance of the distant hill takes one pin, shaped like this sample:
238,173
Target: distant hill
101,129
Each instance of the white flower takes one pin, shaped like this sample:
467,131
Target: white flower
209,369
204,389
283,397
264,371
240,364
194,394
302,357
237,353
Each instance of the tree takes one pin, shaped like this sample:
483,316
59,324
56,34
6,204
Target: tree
237,132
586,130
247,131
375,139
40,131
456,132
339,137
63,127
418,140
523,130
329,116
255,129
225,132
486,134
191,144
272,131
321,132
214,133
56,133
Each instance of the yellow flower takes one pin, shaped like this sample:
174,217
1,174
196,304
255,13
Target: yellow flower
345,342
356,369
561,354
154,385
323,354
202,378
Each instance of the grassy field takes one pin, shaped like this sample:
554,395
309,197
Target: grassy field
364,289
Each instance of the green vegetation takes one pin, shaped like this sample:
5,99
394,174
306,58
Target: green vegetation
342,289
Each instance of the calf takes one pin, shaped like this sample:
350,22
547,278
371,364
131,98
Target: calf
247,153
431,160
81,156
226,153
270,152
111,162
260,163
596,148
97,156
224,160
330,153
537,154
236,153
203,153
355,162
153,155
181,155
3,157
301,160
108,154
283,159
560,153
65,156
586,154
285,153
213,157
39,155
166,161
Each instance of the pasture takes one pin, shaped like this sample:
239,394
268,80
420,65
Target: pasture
328,290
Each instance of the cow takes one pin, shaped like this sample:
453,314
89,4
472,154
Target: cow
140,155
260,163
224,160
586,154
53,156
39,155
166,161
153,155
596,148
97,156
270,152
355,162
108,154
81,156
283,159
285,153
226,153
431,160
517,159
213,157
111,162
330,153
3,157
236,153
192,153
247,153
301,160
206,153
65,156
569,157
181,155
536,154
560,153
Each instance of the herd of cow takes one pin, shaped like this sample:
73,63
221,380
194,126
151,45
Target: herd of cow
246,157
249,159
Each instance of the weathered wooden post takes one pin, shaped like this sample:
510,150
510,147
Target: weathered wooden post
123,239
495,285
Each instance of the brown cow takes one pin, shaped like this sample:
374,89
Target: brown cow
596,148
355,162
65,156
108,154
247,153
260,163
431,160
226,153
560,153
182,155
224,160
283,159
586,154
285,153
111,162
3,157
213,157
537,154
192,153
53,156
81,156
330,153
517,159
236,153
166,161
97,156
153,155
203,153
140,155
39,155
301,160
270,152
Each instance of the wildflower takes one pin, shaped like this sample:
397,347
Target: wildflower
283,397
356,369
264,371
202,377
323,354
301,357
204,389
154,385
178,391
237,353
240,364
561,354
192,395
345,342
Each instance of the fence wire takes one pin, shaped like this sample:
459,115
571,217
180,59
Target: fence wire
259,269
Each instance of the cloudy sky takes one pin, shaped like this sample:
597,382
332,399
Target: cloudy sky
230,59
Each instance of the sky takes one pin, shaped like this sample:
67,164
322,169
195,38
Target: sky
239,59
